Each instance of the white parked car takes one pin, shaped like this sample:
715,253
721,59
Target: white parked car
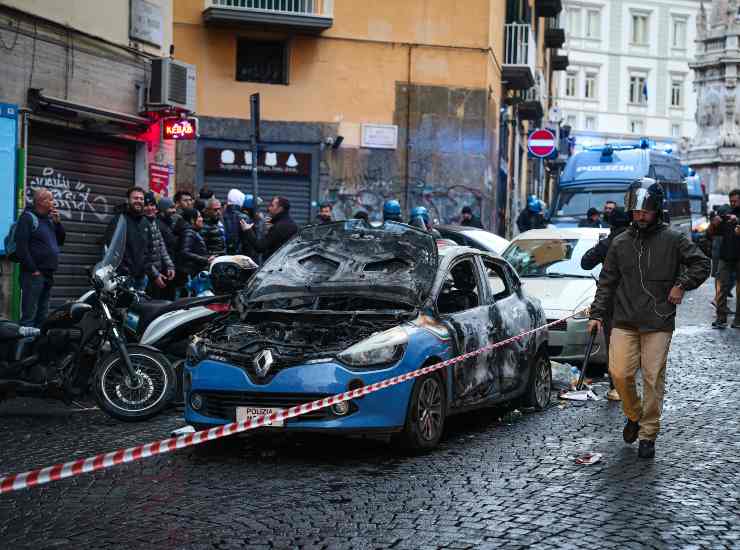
473,237
548,262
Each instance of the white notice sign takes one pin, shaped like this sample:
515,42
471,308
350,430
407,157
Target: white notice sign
146,22
380,136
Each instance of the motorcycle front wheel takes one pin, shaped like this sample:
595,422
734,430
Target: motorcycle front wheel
132,401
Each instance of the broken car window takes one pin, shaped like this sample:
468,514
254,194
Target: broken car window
460,289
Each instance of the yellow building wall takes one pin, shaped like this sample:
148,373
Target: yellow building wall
349,72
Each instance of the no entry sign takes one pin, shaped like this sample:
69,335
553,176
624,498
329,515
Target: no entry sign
541,143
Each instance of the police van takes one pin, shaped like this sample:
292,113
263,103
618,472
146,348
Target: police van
601,174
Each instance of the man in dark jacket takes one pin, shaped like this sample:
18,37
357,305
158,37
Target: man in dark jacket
532,216
280,228
619,222
647,271
727,227
467,218
325,215
39,235
231,221
167,221
593,219
213,229
138,256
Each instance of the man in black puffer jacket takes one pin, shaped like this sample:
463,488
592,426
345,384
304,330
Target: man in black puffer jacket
280,229
647,270
213,228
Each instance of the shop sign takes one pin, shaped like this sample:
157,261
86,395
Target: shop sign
379,136
180,128
146,23
159,179
239,162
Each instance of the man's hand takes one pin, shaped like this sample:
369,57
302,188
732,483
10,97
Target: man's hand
245,226
737,230
732,218
170,274
594,325
54,213
36,274
675,297
160,282
716,221
211,258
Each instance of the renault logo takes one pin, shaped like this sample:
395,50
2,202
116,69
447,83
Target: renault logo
263,362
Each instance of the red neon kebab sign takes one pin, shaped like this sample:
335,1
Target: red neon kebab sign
179,128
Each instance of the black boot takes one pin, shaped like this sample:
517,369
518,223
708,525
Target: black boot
647,449
630,431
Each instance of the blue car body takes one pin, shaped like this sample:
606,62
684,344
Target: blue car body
381,411
219,380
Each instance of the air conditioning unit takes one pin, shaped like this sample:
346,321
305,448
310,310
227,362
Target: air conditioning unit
172,85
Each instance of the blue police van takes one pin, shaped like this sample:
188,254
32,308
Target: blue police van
600,174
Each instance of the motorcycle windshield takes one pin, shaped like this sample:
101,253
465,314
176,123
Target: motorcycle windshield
114,254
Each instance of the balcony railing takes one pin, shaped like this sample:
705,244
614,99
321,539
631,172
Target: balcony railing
314,15
520,49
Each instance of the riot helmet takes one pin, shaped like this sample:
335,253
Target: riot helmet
392,210
420,212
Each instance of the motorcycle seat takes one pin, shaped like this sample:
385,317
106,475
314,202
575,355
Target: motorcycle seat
148,311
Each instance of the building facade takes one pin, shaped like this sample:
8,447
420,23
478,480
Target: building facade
629,73
73,83
360,102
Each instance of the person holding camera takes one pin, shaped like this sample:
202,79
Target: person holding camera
647,270
725,225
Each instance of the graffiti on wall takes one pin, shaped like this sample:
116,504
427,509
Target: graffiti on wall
74,200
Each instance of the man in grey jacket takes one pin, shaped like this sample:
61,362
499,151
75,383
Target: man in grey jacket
647,270
163,267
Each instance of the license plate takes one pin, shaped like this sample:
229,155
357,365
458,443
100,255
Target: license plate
247,413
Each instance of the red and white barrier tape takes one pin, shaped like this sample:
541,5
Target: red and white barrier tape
32,478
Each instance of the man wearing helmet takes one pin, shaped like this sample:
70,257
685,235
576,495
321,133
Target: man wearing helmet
419,217
532,216
392,211
646,272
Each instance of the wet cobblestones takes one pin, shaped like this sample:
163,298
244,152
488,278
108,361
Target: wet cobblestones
494,482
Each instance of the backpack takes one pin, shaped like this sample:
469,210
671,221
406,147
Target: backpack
10,244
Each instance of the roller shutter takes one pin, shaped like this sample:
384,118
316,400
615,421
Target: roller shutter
88,174
297,191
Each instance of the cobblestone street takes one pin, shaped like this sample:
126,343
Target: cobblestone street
498,483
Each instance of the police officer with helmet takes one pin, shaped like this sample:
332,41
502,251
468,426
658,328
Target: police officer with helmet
532,216
647,270
392,211
419,217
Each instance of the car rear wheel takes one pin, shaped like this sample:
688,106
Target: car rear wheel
540,383
425,419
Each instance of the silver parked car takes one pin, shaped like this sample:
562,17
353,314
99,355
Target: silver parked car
549,264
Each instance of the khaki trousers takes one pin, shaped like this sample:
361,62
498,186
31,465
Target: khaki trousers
630,350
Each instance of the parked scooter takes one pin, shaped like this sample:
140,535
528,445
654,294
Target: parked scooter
81,347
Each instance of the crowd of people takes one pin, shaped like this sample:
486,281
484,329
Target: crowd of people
170,241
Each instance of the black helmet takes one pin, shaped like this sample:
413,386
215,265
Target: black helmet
645,194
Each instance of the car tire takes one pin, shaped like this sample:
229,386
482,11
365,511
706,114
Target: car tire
425,416
540,383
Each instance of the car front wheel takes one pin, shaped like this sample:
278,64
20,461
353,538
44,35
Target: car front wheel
540,383
425,419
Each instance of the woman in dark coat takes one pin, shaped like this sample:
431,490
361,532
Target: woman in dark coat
194,256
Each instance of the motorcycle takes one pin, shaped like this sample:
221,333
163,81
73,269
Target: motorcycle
81,348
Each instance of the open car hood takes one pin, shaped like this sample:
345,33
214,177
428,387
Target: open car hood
394,261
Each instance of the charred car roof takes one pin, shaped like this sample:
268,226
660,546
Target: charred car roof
394,261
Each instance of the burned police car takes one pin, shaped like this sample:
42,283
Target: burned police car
346,304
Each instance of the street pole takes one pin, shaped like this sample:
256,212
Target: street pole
254,104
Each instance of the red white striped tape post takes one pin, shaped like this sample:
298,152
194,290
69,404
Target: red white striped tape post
15,482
